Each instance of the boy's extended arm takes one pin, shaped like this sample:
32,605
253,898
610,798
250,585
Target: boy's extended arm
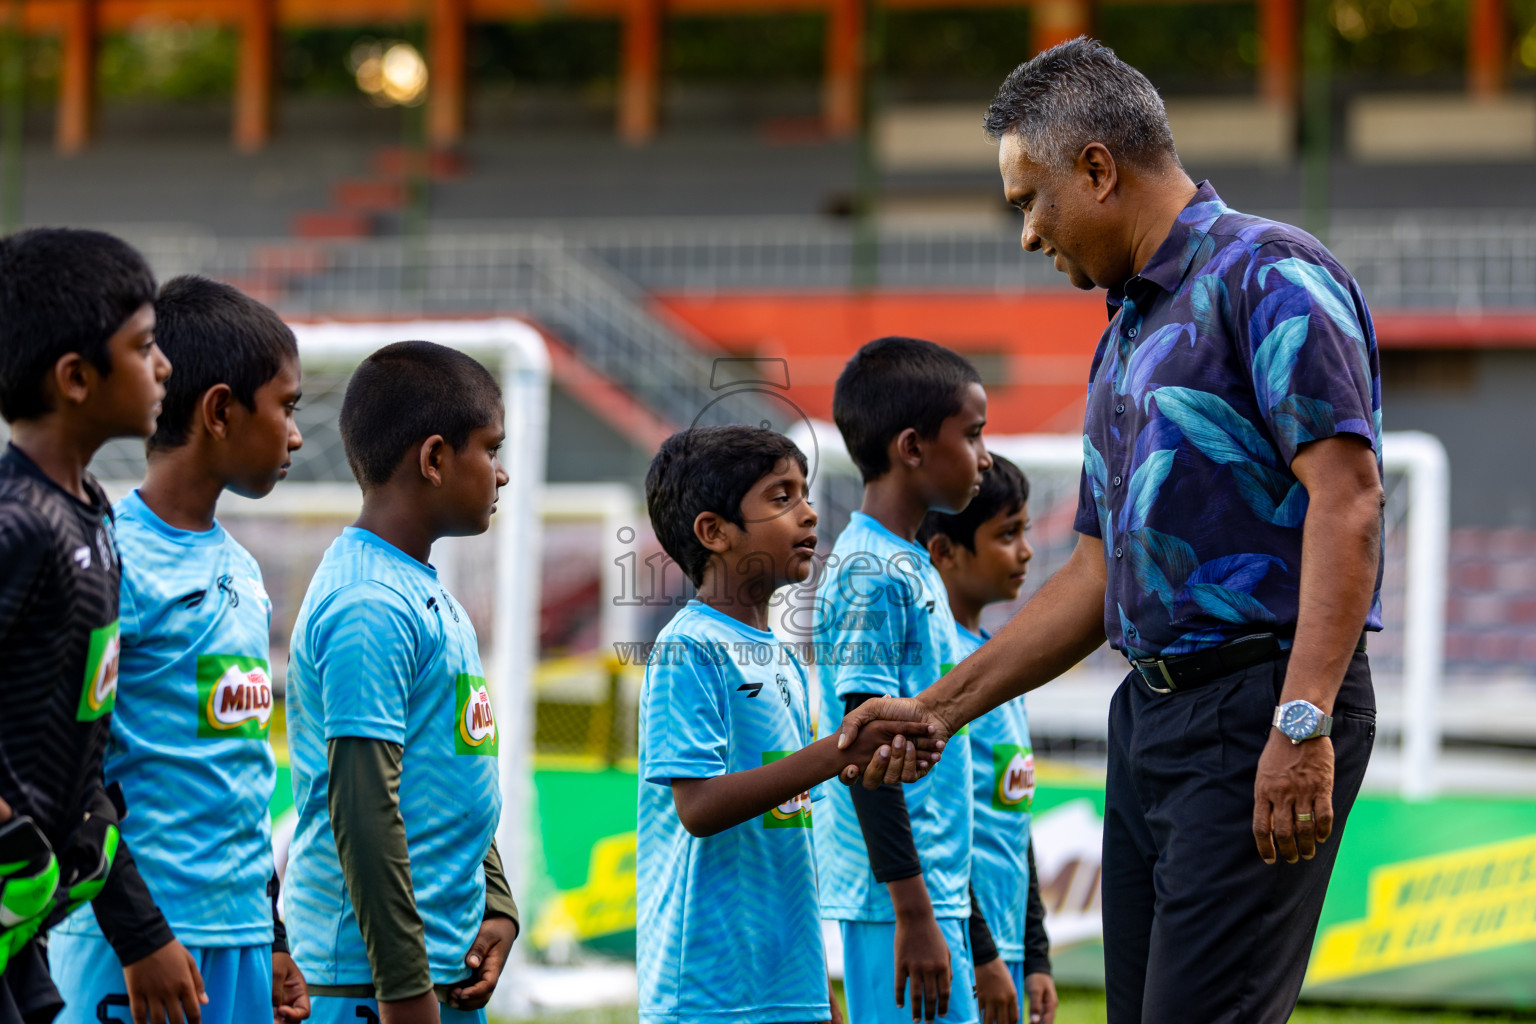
364,802
708,806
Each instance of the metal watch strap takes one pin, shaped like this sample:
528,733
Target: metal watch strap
1324,728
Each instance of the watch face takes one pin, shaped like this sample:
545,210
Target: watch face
1298,720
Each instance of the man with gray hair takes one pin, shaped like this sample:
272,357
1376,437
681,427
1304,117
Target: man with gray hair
1229,521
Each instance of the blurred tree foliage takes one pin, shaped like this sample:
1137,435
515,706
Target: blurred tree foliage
1523,48
1399,38
771,48
1184,46
555,50
1201,46
170,59
943,46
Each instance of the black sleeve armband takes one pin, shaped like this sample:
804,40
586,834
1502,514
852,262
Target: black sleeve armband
883,820
983,949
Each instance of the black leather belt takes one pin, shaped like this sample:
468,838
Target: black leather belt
1189,671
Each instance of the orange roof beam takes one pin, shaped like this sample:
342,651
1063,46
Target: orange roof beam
448,65
1487,48
640,72
255,80
843,80
76,118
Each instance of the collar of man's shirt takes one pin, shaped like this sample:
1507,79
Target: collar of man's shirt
1171,262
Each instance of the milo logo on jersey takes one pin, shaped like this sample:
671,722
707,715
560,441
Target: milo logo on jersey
1013,778
792,813
98,690
234,697
475,728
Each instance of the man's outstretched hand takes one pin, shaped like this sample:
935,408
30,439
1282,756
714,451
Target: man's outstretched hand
902,751
897,761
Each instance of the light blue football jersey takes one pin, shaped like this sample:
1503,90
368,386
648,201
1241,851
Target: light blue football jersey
1003,778
189,734
727,928
381,651
884,610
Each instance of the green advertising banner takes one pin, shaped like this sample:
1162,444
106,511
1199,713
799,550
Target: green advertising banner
1431,903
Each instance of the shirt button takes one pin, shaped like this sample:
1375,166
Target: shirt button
1120,407
1117,481
1131,333
1131,631
1117,552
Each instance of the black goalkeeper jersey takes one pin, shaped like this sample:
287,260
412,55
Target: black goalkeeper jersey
58,644
59,578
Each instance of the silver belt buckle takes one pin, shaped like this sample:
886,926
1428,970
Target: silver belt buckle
1142,664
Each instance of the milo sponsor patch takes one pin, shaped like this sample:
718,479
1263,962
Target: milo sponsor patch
98,690
792,813
475,727
234,697
1013,778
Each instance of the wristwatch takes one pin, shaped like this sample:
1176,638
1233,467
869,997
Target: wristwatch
1301,720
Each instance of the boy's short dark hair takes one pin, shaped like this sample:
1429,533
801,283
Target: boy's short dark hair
402,395
891,384
213,334
708,469
61,290
1004,490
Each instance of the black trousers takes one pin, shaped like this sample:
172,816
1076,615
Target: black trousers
1198,929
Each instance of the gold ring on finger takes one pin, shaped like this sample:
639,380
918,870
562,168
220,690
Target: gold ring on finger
1303,817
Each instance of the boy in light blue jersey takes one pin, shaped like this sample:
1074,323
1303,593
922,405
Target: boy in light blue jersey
727,930
189,742
895,861
982,555
395,894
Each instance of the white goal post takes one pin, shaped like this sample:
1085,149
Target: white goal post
1421,461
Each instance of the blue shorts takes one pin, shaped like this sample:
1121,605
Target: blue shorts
869,974
356,1010
238,980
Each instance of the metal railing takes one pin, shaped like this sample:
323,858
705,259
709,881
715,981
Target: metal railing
590,281
594,309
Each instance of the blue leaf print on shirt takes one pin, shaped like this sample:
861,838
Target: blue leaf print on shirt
1293,510
1160,432
1228,605
1213,426
1201,216
1142,491
1326,292
1127,630
1272,496
1275,360
1151,352
1160,563
1208,304
1299,419
1098,482
1236,572
1195,640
